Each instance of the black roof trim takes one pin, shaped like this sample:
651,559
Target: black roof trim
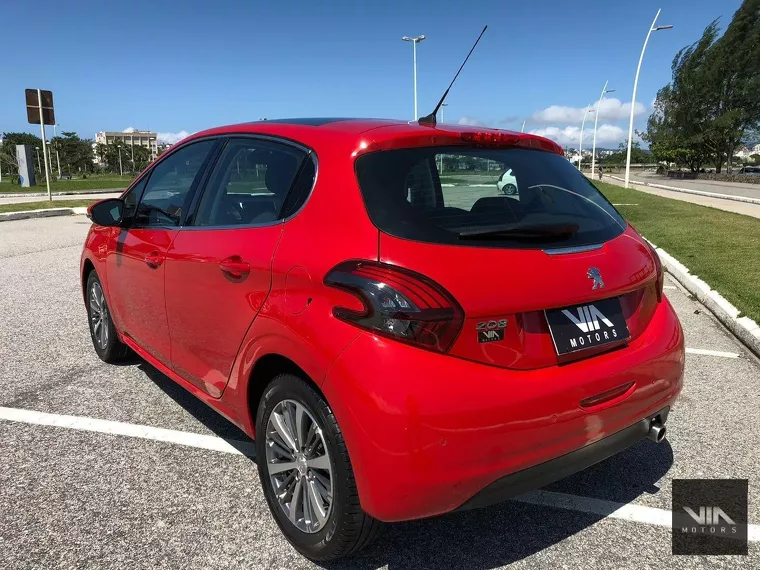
309,121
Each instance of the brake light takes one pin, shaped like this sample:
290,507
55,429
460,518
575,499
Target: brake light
497,138
660,281
398,303
490,137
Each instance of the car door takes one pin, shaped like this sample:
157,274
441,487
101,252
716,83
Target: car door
135,262
218,270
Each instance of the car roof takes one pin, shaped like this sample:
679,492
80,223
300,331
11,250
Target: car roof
313,131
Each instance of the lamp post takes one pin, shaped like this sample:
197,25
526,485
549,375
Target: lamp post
57,158
652,28
580,144
440,168
522,129
596,118
414,41
38,159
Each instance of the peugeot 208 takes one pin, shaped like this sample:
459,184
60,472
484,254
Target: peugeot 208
400,338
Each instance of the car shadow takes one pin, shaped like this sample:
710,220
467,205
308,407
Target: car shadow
483,538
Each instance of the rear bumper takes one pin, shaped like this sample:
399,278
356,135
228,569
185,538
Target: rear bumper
428,433
555,469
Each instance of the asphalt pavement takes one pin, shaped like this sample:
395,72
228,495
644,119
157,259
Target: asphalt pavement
73,497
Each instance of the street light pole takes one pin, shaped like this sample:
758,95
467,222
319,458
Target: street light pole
652,28
580,144
57,158
596,118
414,41
440,169
522,130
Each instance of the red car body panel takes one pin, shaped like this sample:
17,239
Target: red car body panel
425,431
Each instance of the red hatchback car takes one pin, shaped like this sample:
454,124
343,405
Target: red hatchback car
400,337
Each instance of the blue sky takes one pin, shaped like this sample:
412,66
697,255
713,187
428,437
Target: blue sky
179,67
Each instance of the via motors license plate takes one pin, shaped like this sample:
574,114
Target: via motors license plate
586,326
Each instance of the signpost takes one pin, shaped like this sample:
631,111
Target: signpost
40,111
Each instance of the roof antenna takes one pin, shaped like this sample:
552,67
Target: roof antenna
430,119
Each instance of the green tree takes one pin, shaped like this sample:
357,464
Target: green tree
8,151
75,153
713,98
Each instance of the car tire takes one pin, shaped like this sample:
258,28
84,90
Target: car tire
335,524
510,189
104,338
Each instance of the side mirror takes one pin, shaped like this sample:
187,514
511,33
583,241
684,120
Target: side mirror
107,212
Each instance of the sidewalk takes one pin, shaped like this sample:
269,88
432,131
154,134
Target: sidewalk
81,195
748,209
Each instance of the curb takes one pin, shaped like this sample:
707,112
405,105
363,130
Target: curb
743,328
690,191
60,193
45,213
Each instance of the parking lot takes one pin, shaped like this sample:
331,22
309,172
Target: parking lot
74,495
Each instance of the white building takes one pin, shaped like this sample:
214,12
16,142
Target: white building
145,139
747,152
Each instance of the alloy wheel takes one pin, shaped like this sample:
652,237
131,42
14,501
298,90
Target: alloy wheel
99,315
298,464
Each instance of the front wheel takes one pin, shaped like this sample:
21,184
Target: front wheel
306,473
104,338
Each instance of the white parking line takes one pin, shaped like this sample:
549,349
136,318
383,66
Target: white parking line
625,204
623,511
669,287
712,352
611,509
211,442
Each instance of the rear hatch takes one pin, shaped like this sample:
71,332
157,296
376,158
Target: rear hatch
544,268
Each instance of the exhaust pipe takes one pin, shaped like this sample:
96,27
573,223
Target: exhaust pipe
656,431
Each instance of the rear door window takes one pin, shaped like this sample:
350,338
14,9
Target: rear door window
517,198
250,183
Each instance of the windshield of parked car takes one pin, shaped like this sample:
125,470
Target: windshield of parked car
516,198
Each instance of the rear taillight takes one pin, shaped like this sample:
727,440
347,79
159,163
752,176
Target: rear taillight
398,303
660,282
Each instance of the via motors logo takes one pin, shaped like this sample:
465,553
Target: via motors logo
591,321
710,516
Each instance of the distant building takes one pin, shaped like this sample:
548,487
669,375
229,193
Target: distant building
145,139
747,152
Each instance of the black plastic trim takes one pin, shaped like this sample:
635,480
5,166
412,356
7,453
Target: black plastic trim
555,469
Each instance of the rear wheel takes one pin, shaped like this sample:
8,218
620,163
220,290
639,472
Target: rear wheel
306,473
104,338
510,189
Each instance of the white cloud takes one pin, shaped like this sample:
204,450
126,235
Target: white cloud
610,110
606,135
129,130
470,122
171,138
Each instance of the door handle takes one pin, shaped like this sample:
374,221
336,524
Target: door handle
235,267
154,259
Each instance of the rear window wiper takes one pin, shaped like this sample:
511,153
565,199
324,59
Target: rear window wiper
521,231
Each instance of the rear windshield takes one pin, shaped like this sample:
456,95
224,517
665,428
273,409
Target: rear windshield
512,198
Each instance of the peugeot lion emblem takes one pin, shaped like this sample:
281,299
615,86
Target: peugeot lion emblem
593,273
